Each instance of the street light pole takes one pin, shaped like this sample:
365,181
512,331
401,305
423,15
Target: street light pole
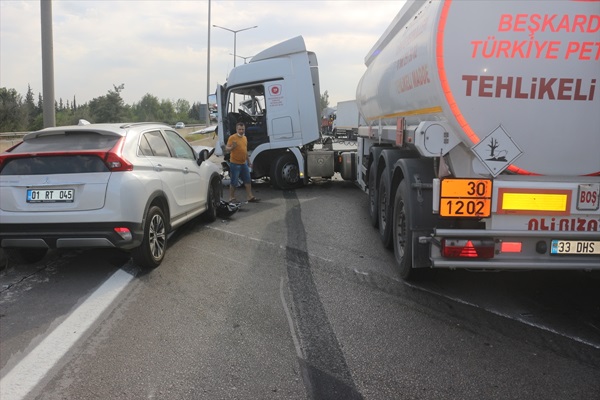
208,71
242,57
235,32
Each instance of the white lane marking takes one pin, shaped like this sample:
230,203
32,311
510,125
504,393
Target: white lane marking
20,380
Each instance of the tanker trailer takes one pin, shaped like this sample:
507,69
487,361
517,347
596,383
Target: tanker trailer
481,147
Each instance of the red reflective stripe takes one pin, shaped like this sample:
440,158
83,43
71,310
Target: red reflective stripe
444,79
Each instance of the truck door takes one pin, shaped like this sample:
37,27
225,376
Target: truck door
281,113
221,115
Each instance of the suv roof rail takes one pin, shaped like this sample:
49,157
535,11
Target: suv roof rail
129,125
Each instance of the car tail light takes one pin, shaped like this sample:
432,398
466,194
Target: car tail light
114,159
465,248
125,233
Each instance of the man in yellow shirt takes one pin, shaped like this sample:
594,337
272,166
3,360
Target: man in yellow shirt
239,162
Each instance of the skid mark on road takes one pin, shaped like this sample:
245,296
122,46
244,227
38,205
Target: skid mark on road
324,369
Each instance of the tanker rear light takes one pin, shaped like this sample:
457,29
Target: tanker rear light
511,247
467,248
533,201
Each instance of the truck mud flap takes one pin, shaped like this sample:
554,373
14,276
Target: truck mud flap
420,254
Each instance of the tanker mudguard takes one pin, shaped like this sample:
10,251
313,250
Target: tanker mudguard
420,173
389,156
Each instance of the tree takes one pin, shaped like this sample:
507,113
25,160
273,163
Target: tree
167,112
148,109
194,112
109,108
40,104
29,109
18,115
182,107
10,111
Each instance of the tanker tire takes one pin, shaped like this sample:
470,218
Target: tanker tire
402,233
285,173
385,209
373,214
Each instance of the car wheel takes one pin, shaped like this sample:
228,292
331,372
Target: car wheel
285,173
26,255
151,252
212,200
385,209
373,214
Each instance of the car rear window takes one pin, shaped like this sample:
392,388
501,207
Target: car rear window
40,165
67,141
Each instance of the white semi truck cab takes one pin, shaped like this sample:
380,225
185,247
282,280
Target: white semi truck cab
277,96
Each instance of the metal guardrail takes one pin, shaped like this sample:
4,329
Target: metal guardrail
9,139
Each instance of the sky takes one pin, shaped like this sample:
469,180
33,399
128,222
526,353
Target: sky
161,46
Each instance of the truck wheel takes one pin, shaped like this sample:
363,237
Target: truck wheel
402,233
385,209
285,173
151,252
373,206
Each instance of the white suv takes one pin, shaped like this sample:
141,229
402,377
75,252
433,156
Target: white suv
103,185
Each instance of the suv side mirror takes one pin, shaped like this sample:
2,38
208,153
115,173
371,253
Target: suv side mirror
204,155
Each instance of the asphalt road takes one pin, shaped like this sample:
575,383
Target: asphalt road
295,298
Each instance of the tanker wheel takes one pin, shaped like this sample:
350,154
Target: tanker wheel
402,232
373,214
285,173
385,209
